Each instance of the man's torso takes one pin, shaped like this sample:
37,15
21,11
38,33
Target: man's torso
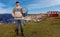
18,13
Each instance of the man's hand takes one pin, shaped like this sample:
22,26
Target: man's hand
13,15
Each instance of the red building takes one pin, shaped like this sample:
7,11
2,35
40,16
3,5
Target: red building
53,13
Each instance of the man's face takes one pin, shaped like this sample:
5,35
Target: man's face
17,4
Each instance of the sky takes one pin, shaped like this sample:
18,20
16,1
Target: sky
33,6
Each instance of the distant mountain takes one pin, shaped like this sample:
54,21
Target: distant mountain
7,18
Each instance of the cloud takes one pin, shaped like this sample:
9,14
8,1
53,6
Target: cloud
43,3
33,6
42,6
5,10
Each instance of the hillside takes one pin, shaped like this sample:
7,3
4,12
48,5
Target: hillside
7,18
49,27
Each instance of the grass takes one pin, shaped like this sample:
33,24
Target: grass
49,27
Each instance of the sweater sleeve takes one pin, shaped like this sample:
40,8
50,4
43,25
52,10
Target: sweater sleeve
22,12
13,12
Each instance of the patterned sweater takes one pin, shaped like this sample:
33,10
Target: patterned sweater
17,13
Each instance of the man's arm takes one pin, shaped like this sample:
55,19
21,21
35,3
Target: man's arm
22,12
13,13
25,10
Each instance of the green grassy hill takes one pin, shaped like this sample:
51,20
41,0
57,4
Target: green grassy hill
49,27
